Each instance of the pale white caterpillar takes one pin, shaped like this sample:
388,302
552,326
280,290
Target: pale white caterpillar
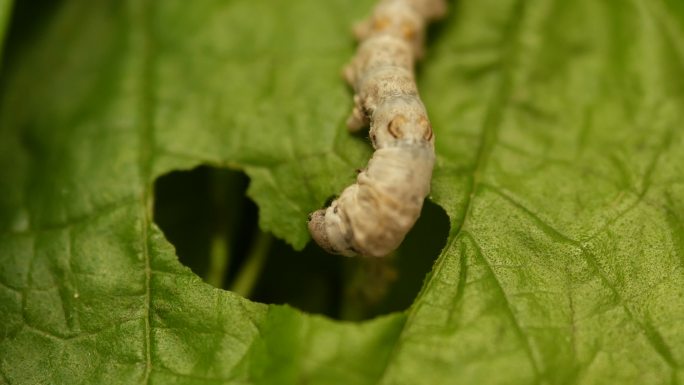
372,216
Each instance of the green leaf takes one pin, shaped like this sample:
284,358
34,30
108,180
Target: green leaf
560,165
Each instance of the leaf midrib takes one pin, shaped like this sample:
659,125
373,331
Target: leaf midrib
488,138
142,11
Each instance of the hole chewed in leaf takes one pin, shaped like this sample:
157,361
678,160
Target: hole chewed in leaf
206,215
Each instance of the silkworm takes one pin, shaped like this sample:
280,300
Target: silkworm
372,216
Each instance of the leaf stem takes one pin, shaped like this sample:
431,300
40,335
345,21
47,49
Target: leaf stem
5,14
224,187
249,274
219,258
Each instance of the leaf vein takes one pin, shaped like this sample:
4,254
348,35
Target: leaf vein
527,346
652,335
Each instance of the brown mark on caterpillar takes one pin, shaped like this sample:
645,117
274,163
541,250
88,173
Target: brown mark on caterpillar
394,126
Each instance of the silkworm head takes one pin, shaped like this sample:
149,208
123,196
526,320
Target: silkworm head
318,232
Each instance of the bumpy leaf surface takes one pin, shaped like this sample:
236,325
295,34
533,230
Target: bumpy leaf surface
560,164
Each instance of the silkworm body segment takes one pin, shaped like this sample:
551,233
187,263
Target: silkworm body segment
372,216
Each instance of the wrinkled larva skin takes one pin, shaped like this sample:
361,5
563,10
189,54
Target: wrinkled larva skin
372,216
